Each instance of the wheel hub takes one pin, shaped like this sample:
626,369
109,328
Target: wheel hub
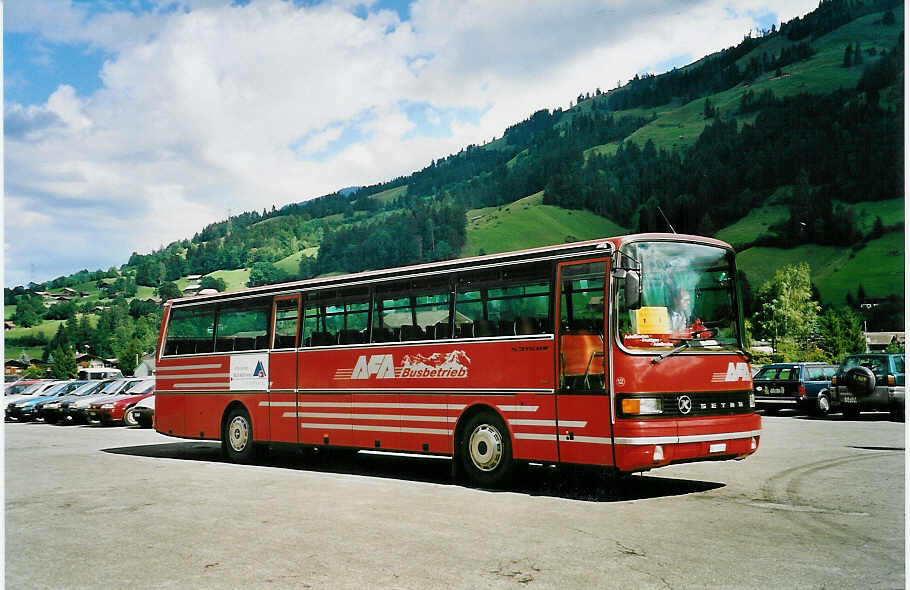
238,433
485,447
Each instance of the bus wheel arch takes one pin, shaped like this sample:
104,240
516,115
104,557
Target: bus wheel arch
237,433
483,449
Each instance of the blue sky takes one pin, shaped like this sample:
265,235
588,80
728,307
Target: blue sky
133,123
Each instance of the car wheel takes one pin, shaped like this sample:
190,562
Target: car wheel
486,451
823,405
237,436
128,418
142,421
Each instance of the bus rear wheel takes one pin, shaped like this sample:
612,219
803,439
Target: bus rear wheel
237,436
486,451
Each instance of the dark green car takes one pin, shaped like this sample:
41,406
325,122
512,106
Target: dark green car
870,381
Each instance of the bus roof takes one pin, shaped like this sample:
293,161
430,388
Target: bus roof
558,251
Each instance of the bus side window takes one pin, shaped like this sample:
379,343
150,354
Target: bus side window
190,331
336,317
412,310
242,328
511,301
285,323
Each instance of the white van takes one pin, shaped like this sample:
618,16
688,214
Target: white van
99,373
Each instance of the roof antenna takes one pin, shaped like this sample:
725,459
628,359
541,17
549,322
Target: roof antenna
665,219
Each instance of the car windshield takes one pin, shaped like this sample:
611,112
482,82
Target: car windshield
57,387
32,388
113,387
141,387
16,389
687,296
86,388
874,363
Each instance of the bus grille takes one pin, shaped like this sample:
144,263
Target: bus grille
712,403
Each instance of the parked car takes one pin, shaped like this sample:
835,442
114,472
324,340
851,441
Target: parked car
24,410
52,410
24,389
870,381
803,386
74,411
143,413
113,410
92,411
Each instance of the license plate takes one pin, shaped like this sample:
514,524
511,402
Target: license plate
773,390
717,448
848,399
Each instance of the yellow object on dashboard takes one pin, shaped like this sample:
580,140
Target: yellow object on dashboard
652,320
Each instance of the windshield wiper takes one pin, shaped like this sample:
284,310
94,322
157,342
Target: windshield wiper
686,344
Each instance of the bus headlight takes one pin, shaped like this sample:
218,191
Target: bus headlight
641,406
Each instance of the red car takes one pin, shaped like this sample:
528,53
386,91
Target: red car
114,411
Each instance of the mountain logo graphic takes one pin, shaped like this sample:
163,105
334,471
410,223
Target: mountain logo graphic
259,371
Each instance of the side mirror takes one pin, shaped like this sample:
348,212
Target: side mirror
632,288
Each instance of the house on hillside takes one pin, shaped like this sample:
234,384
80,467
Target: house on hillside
8,325
192,289
14,367
146,366
192,278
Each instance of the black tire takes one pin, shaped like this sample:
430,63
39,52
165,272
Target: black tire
897,413
237,436
770,410
822,404
860,381
485,451
143,421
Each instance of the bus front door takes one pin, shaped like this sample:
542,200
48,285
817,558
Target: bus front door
282,401
584,427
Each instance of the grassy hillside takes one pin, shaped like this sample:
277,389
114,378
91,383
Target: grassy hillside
879,266
528,223
680,125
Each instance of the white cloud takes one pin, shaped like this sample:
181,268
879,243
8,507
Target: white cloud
202,108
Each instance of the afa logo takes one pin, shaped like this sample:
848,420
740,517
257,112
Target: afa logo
259,371
450,365
735,372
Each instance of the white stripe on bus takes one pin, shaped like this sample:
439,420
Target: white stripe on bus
185,367
518,408
660,440
197,376
404,418
572,423
372,405
194,385
368,428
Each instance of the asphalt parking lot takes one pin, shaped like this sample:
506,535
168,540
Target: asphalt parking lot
821,505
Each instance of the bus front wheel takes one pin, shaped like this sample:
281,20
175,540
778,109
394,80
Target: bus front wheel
486,451
237,436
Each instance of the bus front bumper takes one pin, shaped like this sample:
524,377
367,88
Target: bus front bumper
644,444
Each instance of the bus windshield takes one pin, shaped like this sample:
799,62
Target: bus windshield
687,297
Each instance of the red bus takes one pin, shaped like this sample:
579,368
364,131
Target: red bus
625,353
